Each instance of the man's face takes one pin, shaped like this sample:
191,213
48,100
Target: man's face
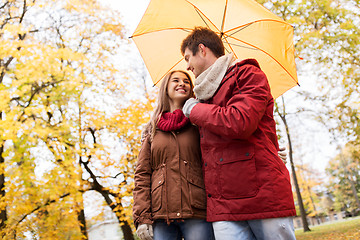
195,63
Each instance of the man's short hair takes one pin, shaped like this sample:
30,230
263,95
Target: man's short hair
205,36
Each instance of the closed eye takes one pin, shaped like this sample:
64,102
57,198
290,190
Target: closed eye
186,58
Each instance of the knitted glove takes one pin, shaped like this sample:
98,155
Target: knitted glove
145,231
188,106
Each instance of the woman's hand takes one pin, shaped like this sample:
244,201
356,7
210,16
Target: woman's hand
145,231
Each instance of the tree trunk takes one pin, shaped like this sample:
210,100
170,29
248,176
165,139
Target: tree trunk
296,184
314,206
115,206
297,188
312,200
126,229
81,212
3,215
82,223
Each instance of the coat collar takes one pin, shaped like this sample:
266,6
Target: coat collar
237,64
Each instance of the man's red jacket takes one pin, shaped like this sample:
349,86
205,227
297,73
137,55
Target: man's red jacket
244,177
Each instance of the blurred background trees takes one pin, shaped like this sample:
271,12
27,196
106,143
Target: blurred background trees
67,125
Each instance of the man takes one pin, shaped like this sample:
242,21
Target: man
248,187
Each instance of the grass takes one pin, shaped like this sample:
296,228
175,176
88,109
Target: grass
348,229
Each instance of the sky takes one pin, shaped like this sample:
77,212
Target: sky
316,138
131,11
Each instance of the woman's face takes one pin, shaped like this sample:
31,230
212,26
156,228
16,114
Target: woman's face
179,88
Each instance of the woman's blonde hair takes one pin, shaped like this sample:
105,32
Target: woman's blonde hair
163,104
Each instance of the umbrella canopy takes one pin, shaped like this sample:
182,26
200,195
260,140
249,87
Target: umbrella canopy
247,29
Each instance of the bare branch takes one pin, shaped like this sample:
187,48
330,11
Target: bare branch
47,203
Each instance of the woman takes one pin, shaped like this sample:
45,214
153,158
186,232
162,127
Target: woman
169,194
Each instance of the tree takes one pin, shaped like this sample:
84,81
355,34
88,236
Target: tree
326,36
337,43
282,114
112,175
48,62
344,181
310,183
327,203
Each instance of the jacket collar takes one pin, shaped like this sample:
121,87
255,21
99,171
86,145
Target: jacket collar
236,65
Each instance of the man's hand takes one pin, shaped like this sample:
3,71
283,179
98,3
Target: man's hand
145,232
188,106
282,154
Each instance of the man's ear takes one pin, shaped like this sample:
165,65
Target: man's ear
202,49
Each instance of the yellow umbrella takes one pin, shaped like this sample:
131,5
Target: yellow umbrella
247,29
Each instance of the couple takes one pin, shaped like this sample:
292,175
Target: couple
236,187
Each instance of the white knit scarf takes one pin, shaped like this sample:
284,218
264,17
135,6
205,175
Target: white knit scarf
208,81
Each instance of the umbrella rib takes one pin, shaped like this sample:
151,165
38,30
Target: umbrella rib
257,21
202,18
230,47
238,45
269,56
159,30
223,20
202,14
167,72
240,29
199,12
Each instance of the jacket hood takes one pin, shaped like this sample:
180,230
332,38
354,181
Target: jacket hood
250,61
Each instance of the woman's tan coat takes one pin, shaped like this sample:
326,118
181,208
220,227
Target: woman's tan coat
168,179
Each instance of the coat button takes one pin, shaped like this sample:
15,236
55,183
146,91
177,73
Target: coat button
209,195
178,214
221,159
247,154
205,164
